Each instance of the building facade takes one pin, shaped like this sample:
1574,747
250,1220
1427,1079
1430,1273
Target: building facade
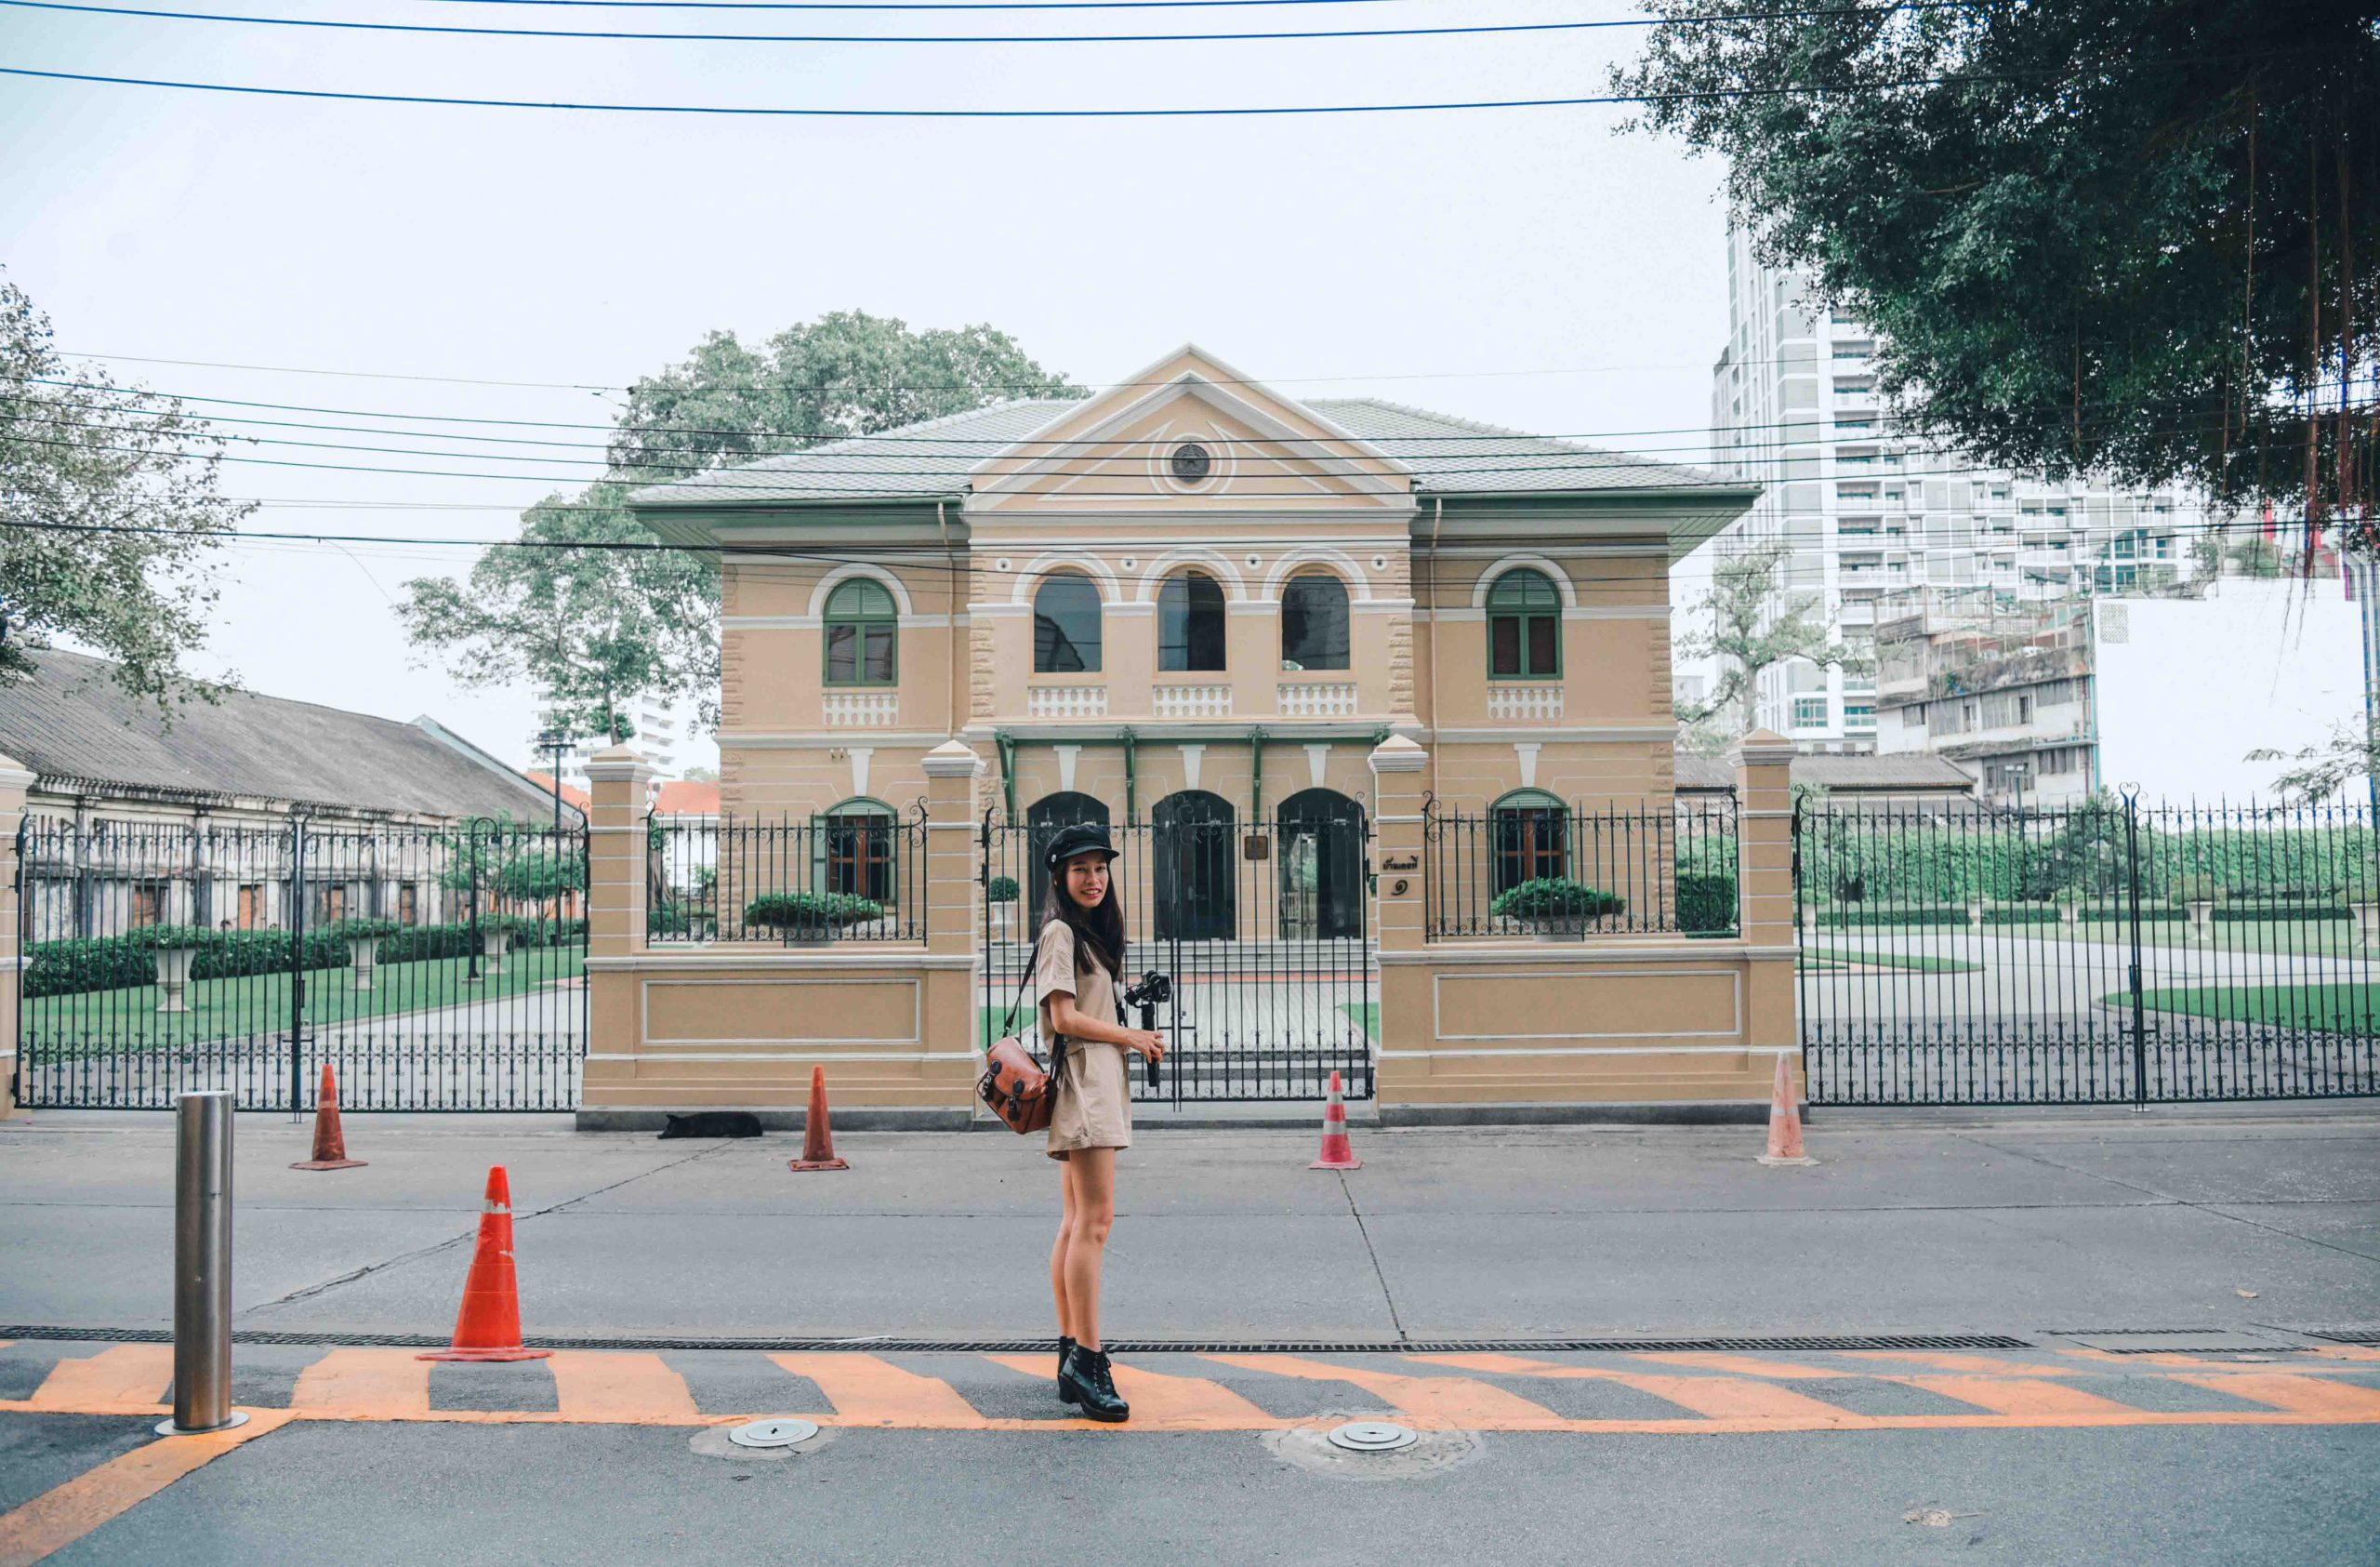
1876,523
1192,601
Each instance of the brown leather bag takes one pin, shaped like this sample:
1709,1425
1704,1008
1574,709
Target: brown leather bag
1013,1084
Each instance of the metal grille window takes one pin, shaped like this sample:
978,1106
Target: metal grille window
1314,622
1532,839
1065,627
859,853
1524,627
862,635
1190,623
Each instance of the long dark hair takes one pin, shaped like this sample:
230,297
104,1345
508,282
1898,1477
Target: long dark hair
1099,933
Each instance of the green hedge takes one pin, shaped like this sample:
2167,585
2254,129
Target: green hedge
809,910
1556,898
62,968
1706,901
1865,916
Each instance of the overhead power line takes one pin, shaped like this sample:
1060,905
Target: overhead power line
815,112
680,37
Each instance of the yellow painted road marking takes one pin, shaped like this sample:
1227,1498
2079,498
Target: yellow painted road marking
1726,1399
869,1391
60,1516
1456,1401
363,1384
127,1376
2018,1394
621,1386
2299,1395
1173,1403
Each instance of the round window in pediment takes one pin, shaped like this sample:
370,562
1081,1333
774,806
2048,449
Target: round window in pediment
1192,463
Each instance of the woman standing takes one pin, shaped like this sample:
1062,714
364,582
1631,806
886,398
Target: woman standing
1078,963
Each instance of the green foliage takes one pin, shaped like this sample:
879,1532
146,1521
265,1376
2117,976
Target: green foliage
75,449
810,911
1706,902
1002,889
361,928
513,860
2100,235
1556,898
1748,620
56,968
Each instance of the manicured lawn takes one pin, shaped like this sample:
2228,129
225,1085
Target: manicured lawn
1834,957
2293,938
2350,1008
222,1009
1364,1013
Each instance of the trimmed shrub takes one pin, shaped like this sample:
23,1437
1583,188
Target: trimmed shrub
1706,902
63,968
809,910
1001,889
1556,898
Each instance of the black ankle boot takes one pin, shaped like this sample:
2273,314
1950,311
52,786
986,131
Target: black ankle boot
1087,1381
1066,1347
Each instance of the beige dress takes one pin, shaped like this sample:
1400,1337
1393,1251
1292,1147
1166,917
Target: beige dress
1094,1108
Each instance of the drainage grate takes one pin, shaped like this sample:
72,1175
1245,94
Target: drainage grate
2166,1341
1811,1344
2347,1335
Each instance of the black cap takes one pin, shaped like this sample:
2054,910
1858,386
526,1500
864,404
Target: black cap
1083,838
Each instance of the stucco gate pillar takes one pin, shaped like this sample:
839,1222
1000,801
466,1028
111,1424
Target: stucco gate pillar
1406,1032
954,914
1764,892
14,782
617,780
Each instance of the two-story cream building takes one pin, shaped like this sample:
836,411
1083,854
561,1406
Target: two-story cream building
1192,599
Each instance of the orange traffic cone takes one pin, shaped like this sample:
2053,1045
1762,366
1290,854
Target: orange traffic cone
330,1139
817,1136
488,1328
1336,1153
1784,1122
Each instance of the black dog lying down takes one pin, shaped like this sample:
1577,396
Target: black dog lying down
713,1123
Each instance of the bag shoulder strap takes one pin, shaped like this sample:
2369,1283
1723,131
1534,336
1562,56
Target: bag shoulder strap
1008,1027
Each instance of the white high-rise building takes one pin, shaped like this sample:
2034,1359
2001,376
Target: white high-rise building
657,734
1879,525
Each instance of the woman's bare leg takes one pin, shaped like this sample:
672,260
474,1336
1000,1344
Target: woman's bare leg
1065,1238
1093,1190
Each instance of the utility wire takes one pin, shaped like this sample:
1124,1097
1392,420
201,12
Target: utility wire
954,37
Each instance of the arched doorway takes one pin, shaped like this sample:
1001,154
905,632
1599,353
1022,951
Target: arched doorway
1042,821
1195,850
1321,855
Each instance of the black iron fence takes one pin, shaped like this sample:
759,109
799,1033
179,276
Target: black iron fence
2110,951
1263,927
1552,872
432,967
856,877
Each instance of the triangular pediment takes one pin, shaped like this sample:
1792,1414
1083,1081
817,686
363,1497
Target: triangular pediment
1128,448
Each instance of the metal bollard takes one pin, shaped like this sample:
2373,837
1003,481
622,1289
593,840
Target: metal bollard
201,1266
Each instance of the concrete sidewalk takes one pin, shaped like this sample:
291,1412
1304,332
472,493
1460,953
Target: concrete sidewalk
2007,1226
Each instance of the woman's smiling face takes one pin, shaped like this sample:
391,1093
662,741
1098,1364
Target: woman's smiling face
1087,880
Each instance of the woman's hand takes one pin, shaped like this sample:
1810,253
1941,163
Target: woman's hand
1145,1042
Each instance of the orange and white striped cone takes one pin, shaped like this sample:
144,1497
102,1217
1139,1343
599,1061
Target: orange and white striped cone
1336,1153
488,1327
1784,1122
330,1139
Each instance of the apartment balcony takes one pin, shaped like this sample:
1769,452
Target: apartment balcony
862,710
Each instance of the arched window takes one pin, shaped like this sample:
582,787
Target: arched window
862,634
1042,821
854,850
1065,626
1314,622
1196,852
1531,831
1524,627
1190,622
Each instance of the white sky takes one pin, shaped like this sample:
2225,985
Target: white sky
1425,258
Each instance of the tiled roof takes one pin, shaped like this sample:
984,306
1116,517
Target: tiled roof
1915,771
1448,456
76,728
687,797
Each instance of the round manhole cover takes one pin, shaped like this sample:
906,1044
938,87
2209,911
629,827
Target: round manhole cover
782,1431
1373,1436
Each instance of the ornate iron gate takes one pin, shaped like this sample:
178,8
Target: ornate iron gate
2103,952
431,967
1264,929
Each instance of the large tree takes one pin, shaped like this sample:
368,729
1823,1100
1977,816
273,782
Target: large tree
594,627
1751,626
2132,235
110,514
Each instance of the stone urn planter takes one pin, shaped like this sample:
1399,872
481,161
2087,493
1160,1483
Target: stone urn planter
2069,912
1975,916
2367,924
172,977
494,944
363,960
2202,911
